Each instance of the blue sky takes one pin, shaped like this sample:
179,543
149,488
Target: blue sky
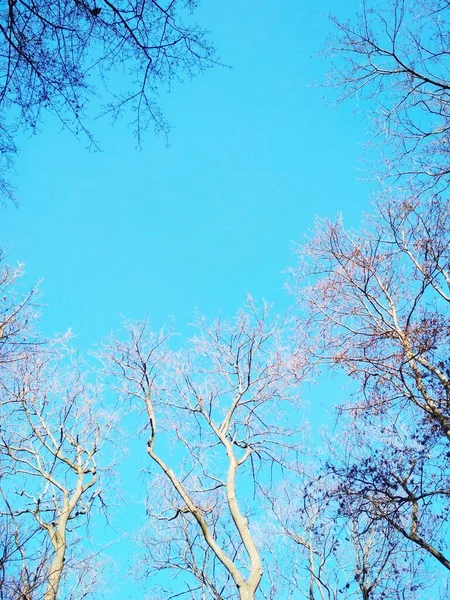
254,155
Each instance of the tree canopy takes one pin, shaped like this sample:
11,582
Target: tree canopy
246,493
59,57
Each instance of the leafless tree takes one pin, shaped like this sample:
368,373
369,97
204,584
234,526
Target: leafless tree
57,57
377,304
397,475
395,55
217,423
52,429
20,573
377,307
332,554
17,315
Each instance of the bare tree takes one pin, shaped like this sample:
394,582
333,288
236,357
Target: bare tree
17,316
377,305
395,55
216,416
20,573
332,554
57,57
395,474
52,429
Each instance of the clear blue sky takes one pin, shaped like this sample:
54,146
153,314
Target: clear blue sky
255,153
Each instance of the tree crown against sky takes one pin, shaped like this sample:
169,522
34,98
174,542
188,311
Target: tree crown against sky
222,408
377,306
368,521
53,430
221,404
393,58
62,58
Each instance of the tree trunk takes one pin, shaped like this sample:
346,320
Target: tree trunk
246,594
56,569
